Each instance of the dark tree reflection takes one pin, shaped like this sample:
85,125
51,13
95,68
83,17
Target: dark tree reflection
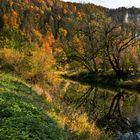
106,107
115,119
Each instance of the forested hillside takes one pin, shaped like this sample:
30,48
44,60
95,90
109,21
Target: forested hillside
41,21
73,32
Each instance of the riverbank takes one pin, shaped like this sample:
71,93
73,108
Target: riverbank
26,114
131,82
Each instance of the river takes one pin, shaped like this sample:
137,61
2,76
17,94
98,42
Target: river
113,109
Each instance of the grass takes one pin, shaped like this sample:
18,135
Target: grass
22,114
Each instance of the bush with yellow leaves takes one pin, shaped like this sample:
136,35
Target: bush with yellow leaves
41,67
11,60
36,66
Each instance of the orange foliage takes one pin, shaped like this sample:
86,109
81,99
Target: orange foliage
74,9
10,18
38,35
37,16
14,18
65,11
26,1
5,19
48,42
49,2
11,3
46,45
36,8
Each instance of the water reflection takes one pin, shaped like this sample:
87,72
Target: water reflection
112,110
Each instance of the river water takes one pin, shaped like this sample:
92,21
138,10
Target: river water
113,109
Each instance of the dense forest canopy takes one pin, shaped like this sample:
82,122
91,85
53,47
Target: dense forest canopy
77,34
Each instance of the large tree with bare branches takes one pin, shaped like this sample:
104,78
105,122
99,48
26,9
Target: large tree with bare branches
118,41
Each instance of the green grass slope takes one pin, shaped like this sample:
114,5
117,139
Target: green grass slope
21,113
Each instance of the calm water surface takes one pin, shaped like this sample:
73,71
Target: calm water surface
115,110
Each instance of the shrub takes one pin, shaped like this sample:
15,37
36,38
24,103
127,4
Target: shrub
41,66
12,38
38,67
11,60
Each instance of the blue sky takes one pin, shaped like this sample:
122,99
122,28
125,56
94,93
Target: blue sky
112,3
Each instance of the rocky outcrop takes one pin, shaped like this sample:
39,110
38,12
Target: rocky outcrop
125,15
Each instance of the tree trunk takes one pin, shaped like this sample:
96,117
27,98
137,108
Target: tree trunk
95,65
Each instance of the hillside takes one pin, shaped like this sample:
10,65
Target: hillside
41,20
22,113
26,115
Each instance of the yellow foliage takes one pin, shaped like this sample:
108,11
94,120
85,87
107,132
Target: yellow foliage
79,44
63,32
38,35
36,8
38,67
42,66
11,60
75,123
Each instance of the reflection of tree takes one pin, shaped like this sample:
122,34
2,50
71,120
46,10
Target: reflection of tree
89,100
84,98
113,117
115,105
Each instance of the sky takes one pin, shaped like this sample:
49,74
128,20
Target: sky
112,3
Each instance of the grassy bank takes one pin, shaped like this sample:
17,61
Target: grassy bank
26,115
22,113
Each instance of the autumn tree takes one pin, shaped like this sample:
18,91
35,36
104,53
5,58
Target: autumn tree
86,46
12,38
117,41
